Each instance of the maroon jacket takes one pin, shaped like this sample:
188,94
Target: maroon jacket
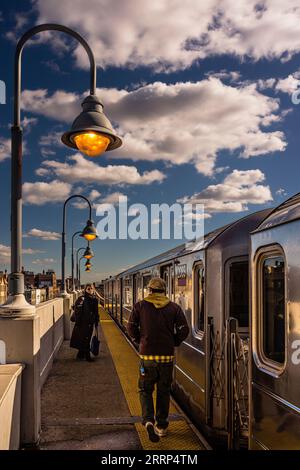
157,330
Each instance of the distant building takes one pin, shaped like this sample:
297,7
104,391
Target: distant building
46,279
29,279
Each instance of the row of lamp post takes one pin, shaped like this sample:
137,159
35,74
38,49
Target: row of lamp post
91,133
89,233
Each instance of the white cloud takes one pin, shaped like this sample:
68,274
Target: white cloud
86,171
28,123
30,251
171,34
43,234
237,190
94,194
49,140
5,146
281,192
40,193
5,253
62,106
264,84
81,204
182,122
289,84
44,261
112,198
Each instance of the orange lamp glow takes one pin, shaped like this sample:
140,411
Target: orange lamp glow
90,236
91,143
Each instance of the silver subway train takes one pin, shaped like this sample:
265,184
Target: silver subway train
237,375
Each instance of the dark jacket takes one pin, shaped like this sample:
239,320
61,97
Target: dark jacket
157,330
83,328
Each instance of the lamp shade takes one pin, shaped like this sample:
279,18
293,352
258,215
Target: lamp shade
88,264
89,232
92,132
87,270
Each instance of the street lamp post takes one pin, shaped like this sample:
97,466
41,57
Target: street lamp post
91,133
88,254
77,262
89,233
73,278
79,270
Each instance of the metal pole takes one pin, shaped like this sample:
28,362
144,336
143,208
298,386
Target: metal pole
82,257
63,243
77,263
16,278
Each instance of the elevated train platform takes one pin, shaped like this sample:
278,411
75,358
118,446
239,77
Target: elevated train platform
96,405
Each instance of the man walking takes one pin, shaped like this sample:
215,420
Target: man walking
158,325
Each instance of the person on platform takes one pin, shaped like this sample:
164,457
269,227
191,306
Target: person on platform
157,325
86,319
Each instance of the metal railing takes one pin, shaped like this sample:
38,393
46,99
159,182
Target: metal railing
229,360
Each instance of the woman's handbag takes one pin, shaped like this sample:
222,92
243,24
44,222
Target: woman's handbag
95,343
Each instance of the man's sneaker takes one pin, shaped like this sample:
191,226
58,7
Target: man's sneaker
151,432
161,432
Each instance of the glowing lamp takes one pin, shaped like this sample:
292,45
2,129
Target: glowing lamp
92,132
88,254
89,232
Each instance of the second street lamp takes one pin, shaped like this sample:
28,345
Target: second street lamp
89,232
89,229
72,263
88,254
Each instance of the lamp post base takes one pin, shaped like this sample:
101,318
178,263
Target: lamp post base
65,295
16,306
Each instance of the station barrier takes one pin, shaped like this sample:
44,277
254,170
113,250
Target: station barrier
28,346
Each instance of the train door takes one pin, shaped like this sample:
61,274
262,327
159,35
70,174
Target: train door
236,351
166,273
237,293
135,288
112,298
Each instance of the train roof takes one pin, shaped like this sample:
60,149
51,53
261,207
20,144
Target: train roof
286,212
189,247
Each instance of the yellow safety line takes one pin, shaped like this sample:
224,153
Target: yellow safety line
180,435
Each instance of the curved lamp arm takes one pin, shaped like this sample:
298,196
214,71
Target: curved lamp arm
18,55
16,280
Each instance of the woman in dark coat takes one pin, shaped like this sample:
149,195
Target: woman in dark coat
84,323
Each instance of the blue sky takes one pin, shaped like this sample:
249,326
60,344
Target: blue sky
200,94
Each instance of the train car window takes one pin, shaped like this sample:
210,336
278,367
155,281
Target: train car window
273,303
239,292
146,280
127,292
199,298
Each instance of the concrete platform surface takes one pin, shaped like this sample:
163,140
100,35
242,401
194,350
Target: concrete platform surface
83,405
